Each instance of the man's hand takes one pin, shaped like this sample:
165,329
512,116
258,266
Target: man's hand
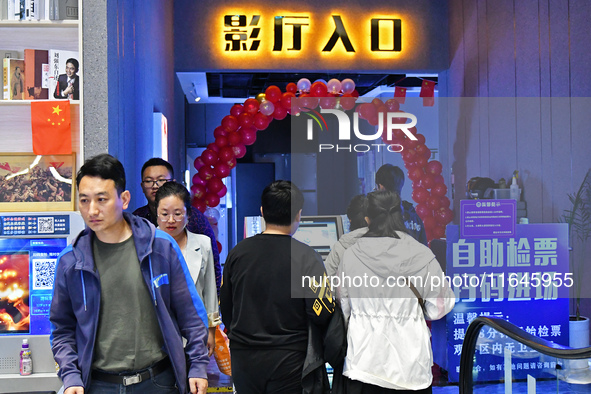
211,341
197,385
76,390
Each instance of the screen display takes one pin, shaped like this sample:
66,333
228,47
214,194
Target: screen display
27,268
320,233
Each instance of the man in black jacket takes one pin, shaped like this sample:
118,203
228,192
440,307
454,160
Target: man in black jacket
269,295
68,84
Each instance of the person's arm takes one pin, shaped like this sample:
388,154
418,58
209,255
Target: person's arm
226,294
199,224
319,301
210,298
63,330
190,313
437,294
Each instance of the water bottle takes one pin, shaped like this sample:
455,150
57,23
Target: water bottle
26,363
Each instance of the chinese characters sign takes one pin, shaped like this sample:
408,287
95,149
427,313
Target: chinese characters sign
488,218
524,279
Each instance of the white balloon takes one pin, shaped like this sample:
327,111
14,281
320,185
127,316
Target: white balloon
267,108
304,85
334,86
348,86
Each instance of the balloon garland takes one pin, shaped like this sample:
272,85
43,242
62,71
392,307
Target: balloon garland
239,129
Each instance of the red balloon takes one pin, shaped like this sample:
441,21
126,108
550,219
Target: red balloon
260,121
438,232
373,119
305,102
232,162
420,137
318,89
198,191
286,100
239,151
226,153
443,215
420,162
212,200
197,180
413,130
420,195
218,244
412,143
347,102
428,181
223,192
249,135
273,93
444,201
439,179
377,102
245,119
236,110
328,102
392,105
221,169
423,151
220,142
199,204
434,167
433,202
422,210
209,157
439,190
219,132
235,138
215,185
429,222
415,174
367,111
251,106
291,87
355,93
198,163
230,123
214,147
409,155
206,173
279,113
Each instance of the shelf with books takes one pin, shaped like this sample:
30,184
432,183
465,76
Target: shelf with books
41,23
8,103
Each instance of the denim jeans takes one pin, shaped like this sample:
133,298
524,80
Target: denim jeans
163,383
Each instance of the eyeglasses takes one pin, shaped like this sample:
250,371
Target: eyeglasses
157,182
165,217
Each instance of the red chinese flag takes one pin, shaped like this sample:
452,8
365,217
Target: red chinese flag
50,121
400,94
428,101
427,89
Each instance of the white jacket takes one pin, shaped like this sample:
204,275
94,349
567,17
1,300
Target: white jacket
388,339
334,258
199,258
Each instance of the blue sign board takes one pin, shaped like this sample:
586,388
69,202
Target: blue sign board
33,225
488,218
524,279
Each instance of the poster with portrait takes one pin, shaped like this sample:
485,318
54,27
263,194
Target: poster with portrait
32,183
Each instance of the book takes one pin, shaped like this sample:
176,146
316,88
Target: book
3,9
35,60
3,54
14,79
66,9
20,12
10,10
33,10
57,70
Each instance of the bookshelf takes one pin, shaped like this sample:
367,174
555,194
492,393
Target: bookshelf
15,115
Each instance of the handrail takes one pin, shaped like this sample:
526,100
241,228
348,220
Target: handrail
512,331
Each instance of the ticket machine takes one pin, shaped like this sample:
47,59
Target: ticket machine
29,246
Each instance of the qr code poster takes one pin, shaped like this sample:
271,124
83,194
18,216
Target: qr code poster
43,273
45,225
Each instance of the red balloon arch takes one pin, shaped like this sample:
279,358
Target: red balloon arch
239,129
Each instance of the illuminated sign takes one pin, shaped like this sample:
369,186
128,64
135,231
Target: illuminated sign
294,33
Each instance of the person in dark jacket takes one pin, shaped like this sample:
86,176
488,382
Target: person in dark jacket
123,299
156,172
391,178
269,296
68,84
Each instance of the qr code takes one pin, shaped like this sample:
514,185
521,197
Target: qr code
45,225
43,273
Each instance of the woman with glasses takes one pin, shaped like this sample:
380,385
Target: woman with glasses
173,201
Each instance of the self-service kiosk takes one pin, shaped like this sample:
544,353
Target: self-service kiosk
29,246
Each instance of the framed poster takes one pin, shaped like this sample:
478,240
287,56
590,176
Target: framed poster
32,183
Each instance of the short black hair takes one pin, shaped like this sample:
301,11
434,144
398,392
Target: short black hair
103,166
74,63
391,177
281,202
384,210
157,161
174,189
357,211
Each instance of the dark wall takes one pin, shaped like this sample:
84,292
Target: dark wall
141,82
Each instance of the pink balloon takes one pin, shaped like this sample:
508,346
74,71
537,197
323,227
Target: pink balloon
223,192
198,163
267,108
197,180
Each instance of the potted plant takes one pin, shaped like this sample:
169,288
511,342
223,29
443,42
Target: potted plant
578,218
